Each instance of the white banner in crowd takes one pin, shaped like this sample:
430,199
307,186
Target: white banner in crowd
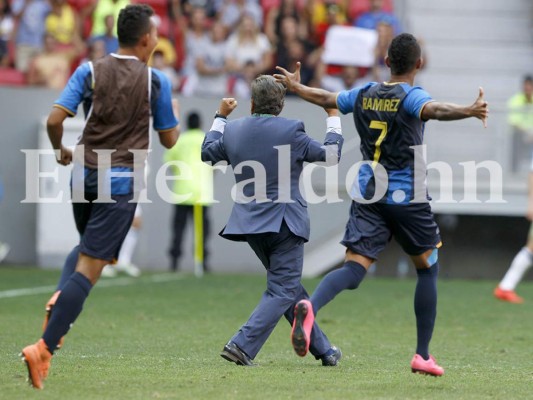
347,45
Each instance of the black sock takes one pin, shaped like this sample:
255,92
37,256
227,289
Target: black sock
67,308
349,276
425,307
69,267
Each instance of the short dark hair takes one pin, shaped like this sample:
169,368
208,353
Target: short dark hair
404,52
268,95
193,120
133,23
528,79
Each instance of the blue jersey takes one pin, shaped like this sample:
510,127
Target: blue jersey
81,90
387,118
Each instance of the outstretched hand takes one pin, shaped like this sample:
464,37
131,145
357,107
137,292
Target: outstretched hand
227,105
289,79
480,108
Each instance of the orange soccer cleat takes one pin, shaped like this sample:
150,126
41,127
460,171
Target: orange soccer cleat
507,295
426,367
37,359
302,326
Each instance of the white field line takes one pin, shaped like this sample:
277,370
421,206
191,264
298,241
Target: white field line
102,283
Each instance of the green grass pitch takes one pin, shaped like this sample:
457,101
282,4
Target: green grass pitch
159,337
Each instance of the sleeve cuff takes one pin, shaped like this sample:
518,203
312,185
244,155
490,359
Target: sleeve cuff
219,124
333,124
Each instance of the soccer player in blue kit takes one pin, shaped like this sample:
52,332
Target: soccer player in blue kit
389,118
119,93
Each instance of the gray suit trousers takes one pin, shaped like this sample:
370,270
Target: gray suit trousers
282,255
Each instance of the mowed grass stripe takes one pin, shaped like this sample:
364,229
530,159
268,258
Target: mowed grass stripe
103,283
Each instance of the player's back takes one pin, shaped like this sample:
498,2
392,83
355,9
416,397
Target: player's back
120,114
387,118
386,126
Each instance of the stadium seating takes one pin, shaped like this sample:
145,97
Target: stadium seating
12,77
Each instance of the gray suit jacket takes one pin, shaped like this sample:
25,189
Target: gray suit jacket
251,142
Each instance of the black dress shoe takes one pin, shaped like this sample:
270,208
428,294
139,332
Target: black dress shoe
231,352
331,360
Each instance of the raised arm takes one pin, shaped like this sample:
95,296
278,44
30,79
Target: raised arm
451,112
213,146
320,97
330,151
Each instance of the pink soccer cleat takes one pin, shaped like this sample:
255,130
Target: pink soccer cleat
426,367
302,326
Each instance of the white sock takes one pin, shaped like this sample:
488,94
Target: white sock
128,247
518,268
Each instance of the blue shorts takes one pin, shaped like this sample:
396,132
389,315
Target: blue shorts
103,226
371,227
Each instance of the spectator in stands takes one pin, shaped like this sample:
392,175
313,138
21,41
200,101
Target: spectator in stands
6,31
161,62
334,16
323,14
241,86
358,7
62,23
99,9
289,33
348,79
233,11
376,14
521,121
210,6
196,38
30,16
385,31
211,64
51,68
297,51
248,46
96,50
276,17
108,37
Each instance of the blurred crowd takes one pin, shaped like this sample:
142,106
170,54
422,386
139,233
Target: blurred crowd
207,47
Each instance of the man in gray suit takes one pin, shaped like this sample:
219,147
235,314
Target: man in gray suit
267,153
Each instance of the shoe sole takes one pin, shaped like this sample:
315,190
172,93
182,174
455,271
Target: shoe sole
31,379
422,372
298,337
231,358
512,301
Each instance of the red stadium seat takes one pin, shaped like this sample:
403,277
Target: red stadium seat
12,77
78,5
